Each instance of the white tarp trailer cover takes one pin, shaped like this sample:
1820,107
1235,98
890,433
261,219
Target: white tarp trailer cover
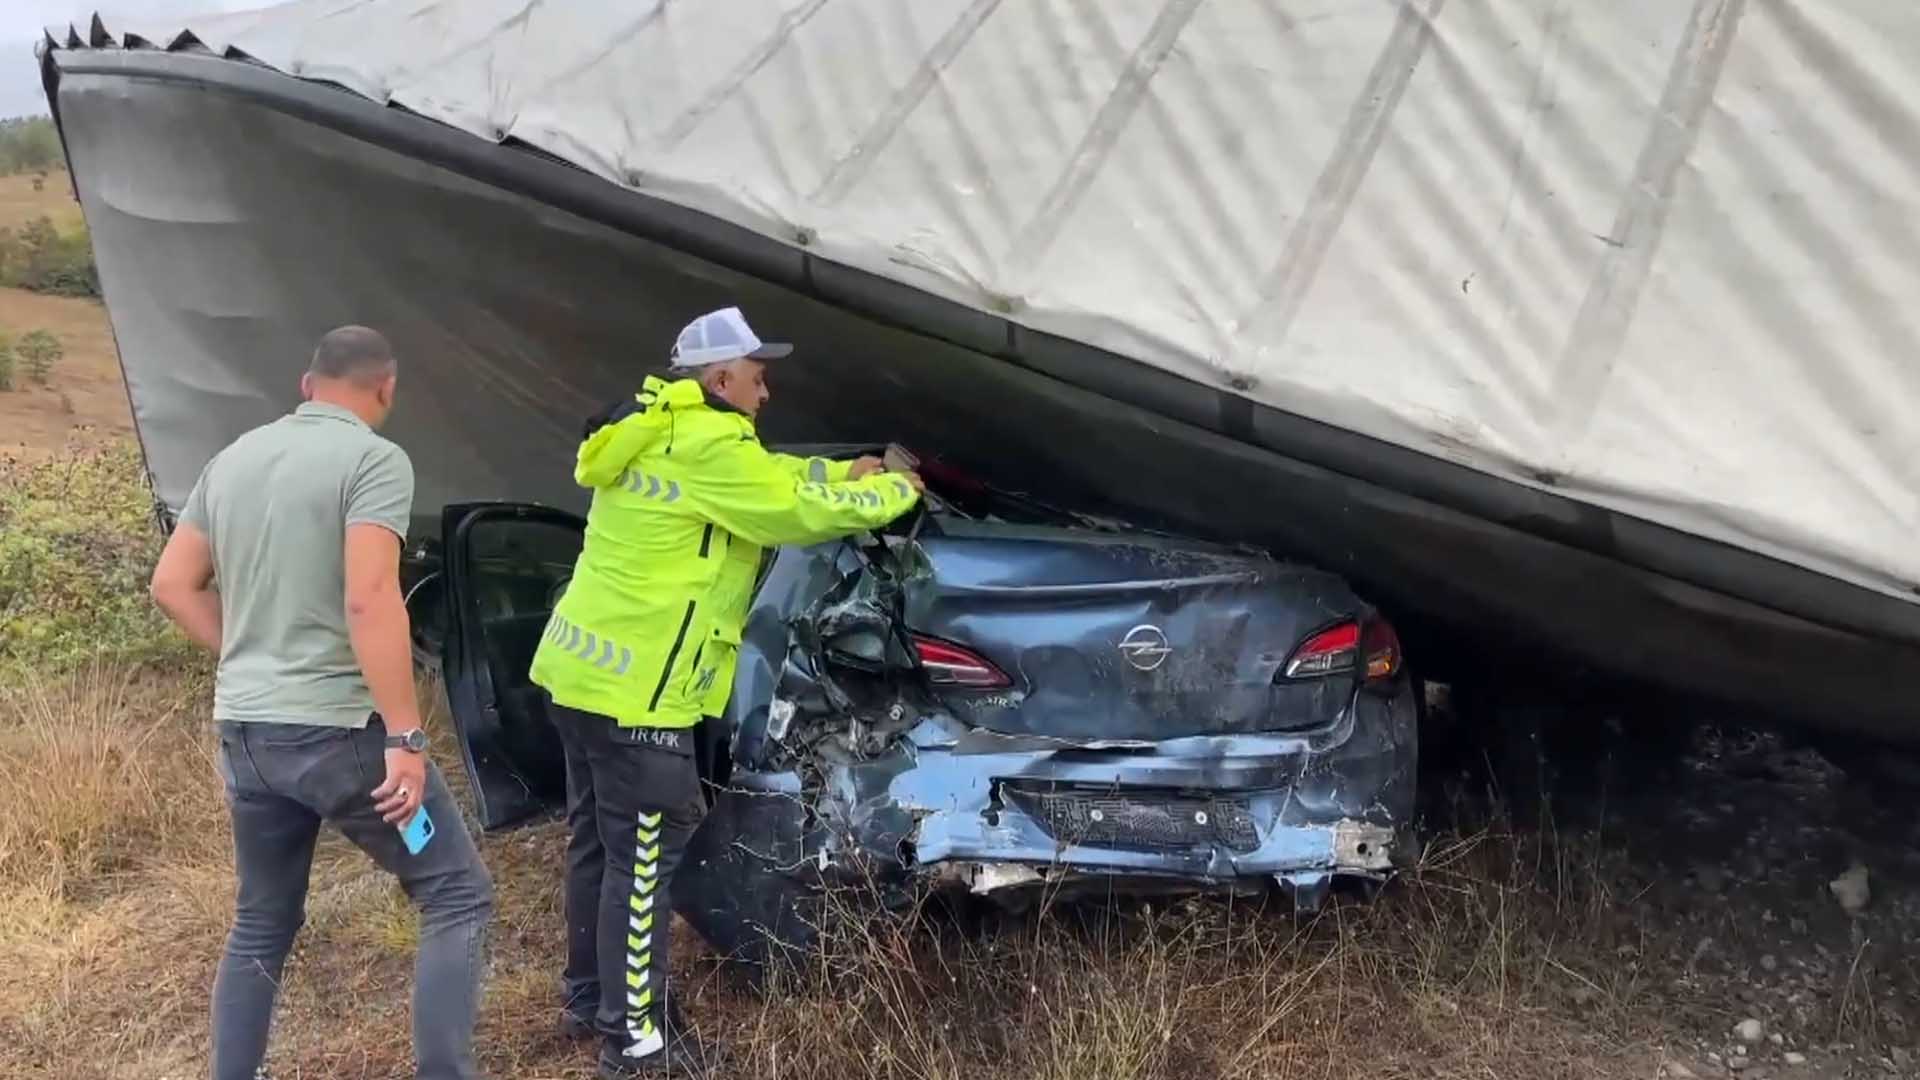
1655,256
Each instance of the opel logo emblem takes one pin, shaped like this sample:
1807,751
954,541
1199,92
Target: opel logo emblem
1145,647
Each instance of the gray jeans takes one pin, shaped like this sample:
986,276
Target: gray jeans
282,781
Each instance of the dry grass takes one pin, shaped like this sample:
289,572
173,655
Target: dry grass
78,754
110,858
1465,969
1501,954
1498,957
21,202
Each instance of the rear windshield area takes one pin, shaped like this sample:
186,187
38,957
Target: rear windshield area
956,493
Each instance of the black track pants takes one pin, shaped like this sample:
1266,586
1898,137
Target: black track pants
633,800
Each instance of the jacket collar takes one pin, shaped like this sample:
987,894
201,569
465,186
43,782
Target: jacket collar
720,404
685,394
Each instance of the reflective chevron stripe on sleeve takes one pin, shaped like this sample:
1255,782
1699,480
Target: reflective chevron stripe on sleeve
603,653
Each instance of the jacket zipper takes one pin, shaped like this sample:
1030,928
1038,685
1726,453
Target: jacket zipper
666,670
693,672
706,540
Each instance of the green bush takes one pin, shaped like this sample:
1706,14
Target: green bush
6,362
40,257
39,351
77,543
29,145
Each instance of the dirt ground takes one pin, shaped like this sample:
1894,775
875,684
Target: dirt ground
1781,892
85,397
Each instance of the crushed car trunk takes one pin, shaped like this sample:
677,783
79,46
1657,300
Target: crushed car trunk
850,775
1237,619
1077,643
993,696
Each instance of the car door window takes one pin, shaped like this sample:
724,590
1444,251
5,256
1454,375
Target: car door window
508,565
520,568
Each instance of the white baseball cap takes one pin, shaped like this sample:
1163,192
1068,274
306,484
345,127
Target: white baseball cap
720,336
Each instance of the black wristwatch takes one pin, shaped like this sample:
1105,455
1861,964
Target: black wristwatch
415,740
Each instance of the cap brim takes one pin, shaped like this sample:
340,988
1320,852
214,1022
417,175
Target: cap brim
770,350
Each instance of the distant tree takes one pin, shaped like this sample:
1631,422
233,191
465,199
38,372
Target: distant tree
72,272
29,144
39,351
6,362
40,257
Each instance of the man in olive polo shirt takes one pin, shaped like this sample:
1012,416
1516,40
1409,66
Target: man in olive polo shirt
285,563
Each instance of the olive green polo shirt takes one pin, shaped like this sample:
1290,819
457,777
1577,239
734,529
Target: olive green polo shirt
275,505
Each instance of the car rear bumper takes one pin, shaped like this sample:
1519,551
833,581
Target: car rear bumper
1303,808
1273,804
1347,846
1208,809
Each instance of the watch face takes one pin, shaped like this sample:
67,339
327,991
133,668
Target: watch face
416,739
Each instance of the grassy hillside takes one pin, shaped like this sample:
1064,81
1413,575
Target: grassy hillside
84,401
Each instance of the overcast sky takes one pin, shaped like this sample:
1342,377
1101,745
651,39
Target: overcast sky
21,22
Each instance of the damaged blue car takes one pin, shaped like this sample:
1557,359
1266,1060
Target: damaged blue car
993,696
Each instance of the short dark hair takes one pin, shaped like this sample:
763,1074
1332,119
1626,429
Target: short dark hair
354,353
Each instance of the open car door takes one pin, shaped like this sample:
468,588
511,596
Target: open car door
507,564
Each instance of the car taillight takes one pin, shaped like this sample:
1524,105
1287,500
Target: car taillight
1328,652
1340,648
1380,648
947,664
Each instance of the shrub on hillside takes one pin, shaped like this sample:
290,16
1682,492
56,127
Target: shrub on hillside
77,541
40,257
6,362
29,144
38,351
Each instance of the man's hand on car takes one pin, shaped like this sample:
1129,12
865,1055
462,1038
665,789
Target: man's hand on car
865,466
404,789
913,478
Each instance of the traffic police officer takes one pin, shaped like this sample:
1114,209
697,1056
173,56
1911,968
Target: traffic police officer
642,644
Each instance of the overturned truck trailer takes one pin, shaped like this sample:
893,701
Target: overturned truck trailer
1583,329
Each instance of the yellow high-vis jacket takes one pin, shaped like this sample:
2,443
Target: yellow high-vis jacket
685,499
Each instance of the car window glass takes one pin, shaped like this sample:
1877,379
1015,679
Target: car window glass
520,568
